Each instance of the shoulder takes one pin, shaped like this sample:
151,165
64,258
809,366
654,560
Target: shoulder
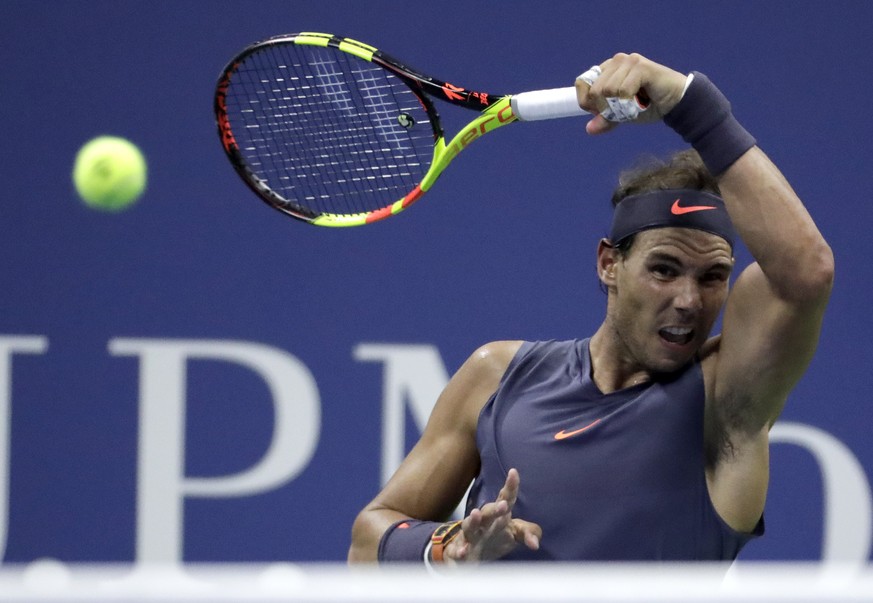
474,383
494,358
524,361
491,360
480,376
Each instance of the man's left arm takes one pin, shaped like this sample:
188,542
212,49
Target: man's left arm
774,311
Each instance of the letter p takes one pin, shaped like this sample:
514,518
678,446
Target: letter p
161,483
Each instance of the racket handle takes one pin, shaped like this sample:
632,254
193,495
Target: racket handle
546,104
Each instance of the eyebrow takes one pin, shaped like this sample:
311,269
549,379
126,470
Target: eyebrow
662,256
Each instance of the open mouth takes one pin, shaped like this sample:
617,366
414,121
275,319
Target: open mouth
677,335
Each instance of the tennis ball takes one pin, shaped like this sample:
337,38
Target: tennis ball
109,173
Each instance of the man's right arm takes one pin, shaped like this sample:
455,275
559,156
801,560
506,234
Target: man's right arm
433,478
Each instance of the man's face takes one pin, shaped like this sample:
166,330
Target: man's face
665,295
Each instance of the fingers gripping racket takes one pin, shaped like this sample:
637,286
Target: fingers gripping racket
334,132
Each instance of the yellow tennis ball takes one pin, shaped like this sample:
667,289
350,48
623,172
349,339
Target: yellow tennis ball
110,173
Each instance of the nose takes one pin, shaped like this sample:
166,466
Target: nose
688,297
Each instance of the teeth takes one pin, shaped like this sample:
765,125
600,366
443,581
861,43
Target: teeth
680,335
677,330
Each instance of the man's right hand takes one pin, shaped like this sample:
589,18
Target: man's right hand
630,76
491,532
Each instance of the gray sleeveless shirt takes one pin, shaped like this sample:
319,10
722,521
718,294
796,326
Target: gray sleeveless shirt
615,477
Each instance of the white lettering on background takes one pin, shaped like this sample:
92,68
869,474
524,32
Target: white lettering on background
848,511
9,345
162,485
414,375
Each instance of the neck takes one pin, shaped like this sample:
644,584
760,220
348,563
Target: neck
613,368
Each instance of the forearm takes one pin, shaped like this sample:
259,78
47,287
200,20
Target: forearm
776,228
367,531
432,480
767,214
403,540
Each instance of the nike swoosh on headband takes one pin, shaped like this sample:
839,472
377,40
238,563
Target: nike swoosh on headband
662,208
678,210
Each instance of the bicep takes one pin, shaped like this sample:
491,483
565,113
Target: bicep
433,478
767,343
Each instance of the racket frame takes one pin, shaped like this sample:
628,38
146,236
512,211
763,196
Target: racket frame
495,111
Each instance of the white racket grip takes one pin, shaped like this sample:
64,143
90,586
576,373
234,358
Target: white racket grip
546,104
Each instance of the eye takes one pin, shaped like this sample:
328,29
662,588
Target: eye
714,277
664,270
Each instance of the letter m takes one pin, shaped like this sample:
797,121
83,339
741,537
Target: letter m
414,375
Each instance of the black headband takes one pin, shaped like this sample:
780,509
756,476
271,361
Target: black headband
683,208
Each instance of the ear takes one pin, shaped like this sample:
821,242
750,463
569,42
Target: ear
607,260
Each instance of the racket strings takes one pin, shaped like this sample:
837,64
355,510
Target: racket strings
327,131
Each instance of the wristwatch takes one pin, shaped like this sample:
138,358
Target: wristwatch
442,536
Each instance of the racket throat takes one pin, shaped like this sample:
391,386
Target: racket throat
496,116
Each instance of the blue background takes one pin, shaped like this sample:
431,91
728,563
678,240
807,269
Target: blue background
502,247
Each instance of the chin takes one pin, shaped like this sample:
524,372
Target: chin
675,361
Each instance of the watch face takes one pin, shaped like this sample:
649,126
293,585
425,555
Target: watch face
447,530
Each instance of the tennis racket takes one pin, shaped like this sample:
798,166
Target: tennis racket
334,132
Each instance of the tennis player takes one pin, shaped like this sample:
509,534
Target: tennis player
648,440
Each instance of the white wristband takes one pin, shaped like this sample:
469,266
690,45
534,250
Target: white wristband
688,81
427,554
428,564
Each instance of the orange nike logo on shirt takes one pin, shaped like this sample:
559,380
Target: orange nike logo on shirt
563,434
678,210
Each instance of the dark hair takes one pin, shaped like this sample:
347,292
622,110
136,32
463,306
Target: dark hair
684,169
